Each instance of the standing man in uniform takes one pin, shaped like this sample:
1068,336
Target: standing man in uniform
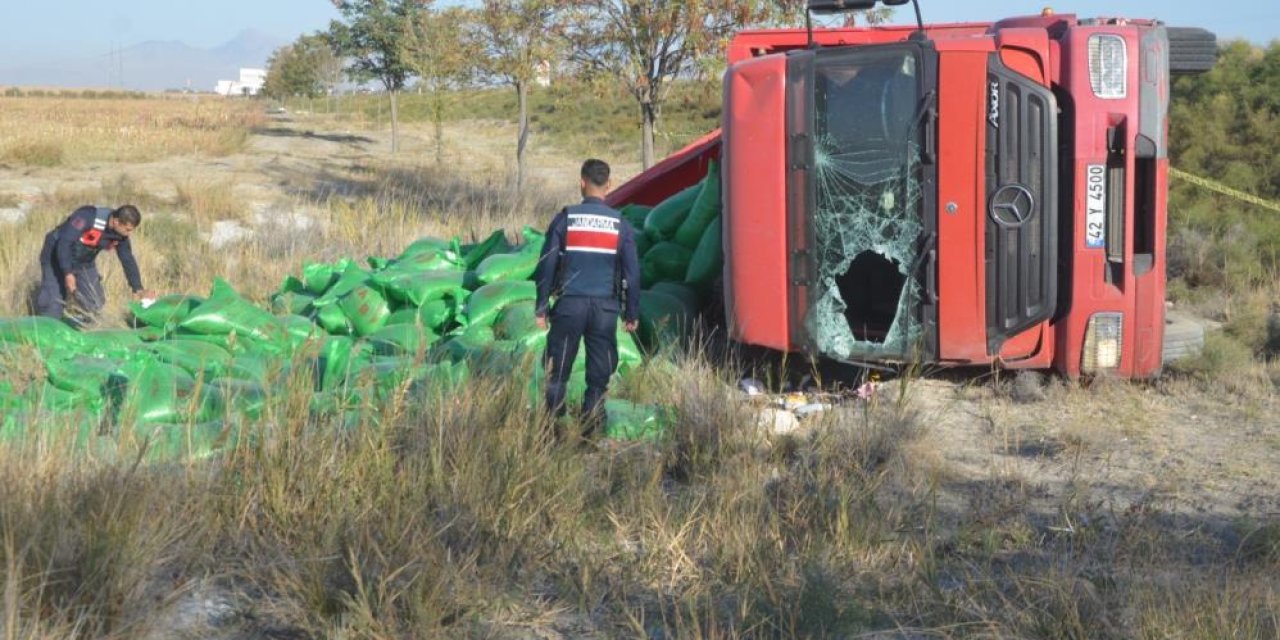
589,264
68,272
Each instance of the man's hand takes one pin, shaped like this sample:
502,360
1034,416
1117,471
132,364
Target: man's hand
70,281
542,322
631,325
145,293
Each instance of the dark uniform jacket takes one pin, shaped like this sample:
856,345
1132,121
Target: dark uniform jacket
590,251
78,241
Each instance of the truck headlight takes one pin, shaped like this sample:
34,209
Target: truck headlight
1108,65
1103,342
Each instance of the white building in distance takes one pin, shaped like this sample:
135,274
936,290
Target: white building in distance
249,84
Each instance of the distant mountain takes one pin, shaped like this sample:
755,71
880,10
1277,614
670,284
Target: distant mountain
154,65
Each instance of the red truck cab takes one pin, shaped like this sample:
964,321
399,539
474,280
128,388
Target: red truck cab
965,194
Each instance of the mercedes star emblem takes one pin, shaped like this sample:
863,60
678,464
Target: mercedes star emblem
1012,205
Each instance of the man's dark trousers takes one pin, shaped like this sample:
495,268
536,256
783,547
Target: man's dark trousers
51,298
595,322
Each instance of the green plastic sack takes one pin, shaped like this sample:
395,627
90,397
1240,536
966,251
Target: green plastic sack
705,209
517,322
150,334
353,276
162,393
665,219
426,262
575,388
299,328
469,345
630,355
707,262
643,244
406,315
366,309
690,297
92,379
430,245
333,320
389,372
635,214
234,396
417,288
51,399
518,265
52,415
225,313
45,334
663,318
166,312
438,314
258,368
626,420
182,441
402,340
196,357
231,343
109,343
665,262
488,301
446,376
340,359
292,284
474,254
318,277
292,303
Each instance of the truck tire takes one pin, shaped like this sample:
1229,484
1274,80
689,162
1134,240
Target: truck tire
1183,337
1191,50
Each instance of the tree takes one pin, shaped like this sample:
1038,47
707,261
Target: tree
517,37
369,38
436,47
793,12
645,44
308,68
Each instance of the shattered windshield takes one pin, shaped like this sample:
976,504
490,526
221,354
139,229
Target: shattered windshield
866,216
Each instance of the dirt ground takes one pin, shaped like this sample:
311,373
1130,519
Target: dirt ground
1207,453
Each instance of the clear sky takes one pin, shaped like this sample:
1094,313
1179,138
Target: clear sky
35,29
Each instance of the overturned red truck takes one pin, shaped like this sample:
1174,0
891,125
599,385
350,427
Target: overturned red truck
952,194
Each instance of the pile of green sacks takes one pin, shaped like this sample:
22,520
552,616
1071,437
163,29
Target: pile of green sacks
196,372
682,256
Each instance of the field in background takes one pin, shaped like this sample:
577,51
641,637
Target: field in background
53,131
944,507
576,118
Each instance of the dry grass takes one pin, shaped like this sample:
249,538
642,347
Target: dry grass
46,132
209,201
33,153
435,514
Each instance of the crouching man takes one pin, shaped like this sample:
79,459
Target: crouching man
68,273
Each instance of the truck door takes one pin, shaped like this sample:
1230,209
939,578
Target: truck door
861,201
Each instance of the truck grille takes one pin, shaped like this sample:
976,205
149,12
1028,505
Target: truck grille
1022,203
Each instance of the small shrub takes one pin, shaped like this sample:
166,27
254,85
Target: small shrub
1223,356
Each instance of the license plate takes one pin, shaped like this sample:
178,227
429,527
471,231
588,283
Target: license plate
1095,234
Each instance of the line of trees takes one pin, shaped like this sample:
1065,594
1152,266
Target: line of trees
642,45
1225,125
